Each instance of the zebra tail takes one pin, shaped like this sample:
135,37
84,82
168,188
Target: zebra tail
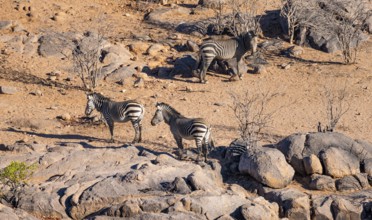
208,139
196,71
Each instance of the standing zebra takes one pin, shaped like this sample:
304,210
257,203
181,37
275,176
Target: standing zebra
117,112
231,50
182,127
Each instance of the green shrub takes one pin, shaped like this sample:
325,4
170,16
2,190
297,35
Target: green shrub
16,175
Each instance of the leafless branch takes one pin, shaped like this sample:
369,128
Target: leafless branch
252,114
336,104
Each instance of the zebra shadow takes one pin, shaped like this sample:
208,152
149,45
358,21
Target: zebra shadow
56,136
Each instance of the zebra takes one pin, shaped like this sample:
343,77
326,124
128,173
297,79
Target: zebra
231,51
117,112
187,128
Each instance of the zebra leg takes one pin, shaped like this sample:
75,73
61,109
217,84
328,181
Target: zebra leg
203,72
180,146
140,132
199,146
233,64
137,136
110,123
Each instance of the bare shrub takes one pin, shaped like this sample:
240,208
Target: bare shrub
345,20
237,17
299,14
86,58
252,115
336,105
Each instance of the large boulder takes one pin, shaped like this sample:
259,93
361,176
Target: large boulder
322,182
339,163
259,208
293,203
268,166
322,208
344,209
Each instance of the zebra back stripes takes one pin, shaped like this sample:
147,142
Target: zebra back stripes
117,112
231,50
184,128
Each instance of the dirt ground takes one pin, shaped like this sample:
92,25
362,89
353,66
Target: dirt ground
33,118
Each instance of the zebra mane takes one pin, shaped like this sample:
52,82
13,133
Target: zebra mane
101,97
169,108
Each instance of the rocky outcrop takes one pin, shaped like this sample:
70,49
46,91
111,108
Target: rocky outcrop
298,146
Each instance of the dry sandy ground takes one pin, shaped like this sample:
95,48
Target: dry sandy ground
34,118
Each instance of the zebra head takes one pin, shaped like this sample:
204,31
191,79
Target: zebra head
250,41
158,116
90,104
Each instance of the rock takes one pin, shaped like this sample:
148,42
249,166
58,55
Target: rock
212,207
362,179
339,163
297,146
5,25
66,117
295,50
292,147
293,203
180,186
60,17
56,45
209,182
368,24
285,66
322,208
192,46
37,93
343,209
368,166
312,165
348,183
138,47
211,3
154,49
121,73
8,90
260,208
225,217
268,166
184,66
161,16
322,182
9,213
42,203
138,83
259,69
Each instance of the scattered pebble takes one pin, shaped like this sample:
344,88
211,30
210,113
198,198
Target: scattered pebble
8,90
66,117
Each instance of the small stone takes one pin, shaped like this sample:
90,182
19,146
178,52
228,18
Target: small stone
285,66
52,78
154,49
259,69
295,50
127,15
8,90
5,24
123,91
66,117
37,93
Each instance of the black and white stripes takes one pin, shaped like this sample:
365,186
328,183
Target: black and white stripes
184,128
230,50
117,112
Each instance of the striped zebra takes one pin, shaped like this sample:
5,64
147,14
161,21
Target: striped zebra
186,128
231,51
117,112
